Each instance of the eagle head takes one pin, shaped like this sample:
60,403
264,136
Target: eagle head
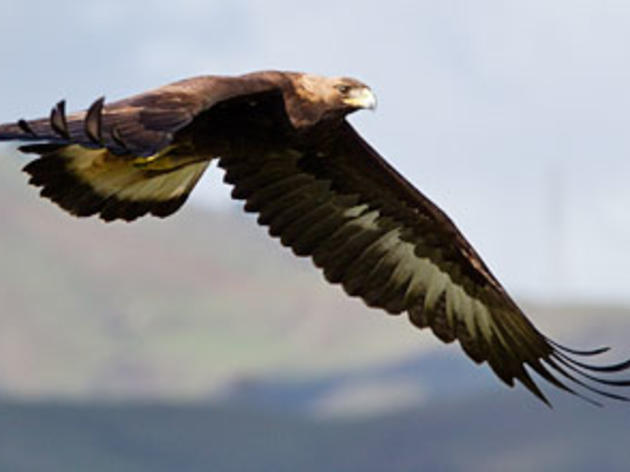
340,95
353,95
311,99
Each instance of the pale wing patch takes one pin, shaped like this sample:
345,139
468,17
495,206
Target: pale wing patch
110,175
165,186
417,279
86,182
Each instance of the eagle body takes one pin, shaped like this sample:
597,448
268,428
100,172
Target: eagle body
289,153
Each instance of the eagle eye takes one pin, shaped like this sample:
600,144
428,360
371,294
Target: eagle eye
343,89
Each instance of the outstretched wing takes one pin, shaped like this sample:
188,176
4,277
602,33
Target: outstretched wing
370,230
128,158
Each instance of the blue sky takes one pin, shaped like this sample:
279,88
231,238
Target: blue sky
512,116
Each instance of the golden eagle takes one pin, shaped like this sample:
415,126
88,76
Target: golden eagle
289,152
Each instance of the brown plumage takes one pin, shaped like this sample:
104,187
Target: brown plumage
287,149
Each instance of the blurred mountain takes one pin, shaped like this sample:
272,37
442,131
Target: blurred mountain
204,304
484,433
166,308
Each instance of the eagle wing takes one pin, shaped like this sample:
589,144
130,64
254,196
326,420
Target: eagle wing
371,231
131,157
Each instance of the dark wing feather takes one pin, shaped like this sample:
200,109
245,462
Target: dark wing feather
143,124
370,230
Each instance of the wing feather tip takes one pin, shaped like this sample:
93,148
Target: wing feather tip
93,122
26,128
58,121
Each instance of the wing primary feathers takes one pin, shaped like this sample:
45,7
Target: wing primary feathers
612,383
44,148
582,384
93,122
543,372
527,381
593,352
115,134
596,368
560,362
58,121
24,126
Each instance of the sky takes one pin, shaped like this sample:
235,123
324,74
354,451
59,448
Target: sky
511,116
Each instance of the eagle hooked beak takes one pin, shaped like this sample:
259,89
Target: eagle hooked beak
361,98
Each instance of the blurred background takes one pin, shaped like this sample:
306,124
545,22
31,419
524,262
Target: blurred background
198,343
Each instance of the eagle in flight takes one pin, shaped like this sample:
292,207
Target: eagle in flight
290,154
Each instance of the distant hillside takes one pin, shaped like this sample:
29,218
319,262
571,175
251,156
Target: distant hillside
493,433
190,307
173,307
